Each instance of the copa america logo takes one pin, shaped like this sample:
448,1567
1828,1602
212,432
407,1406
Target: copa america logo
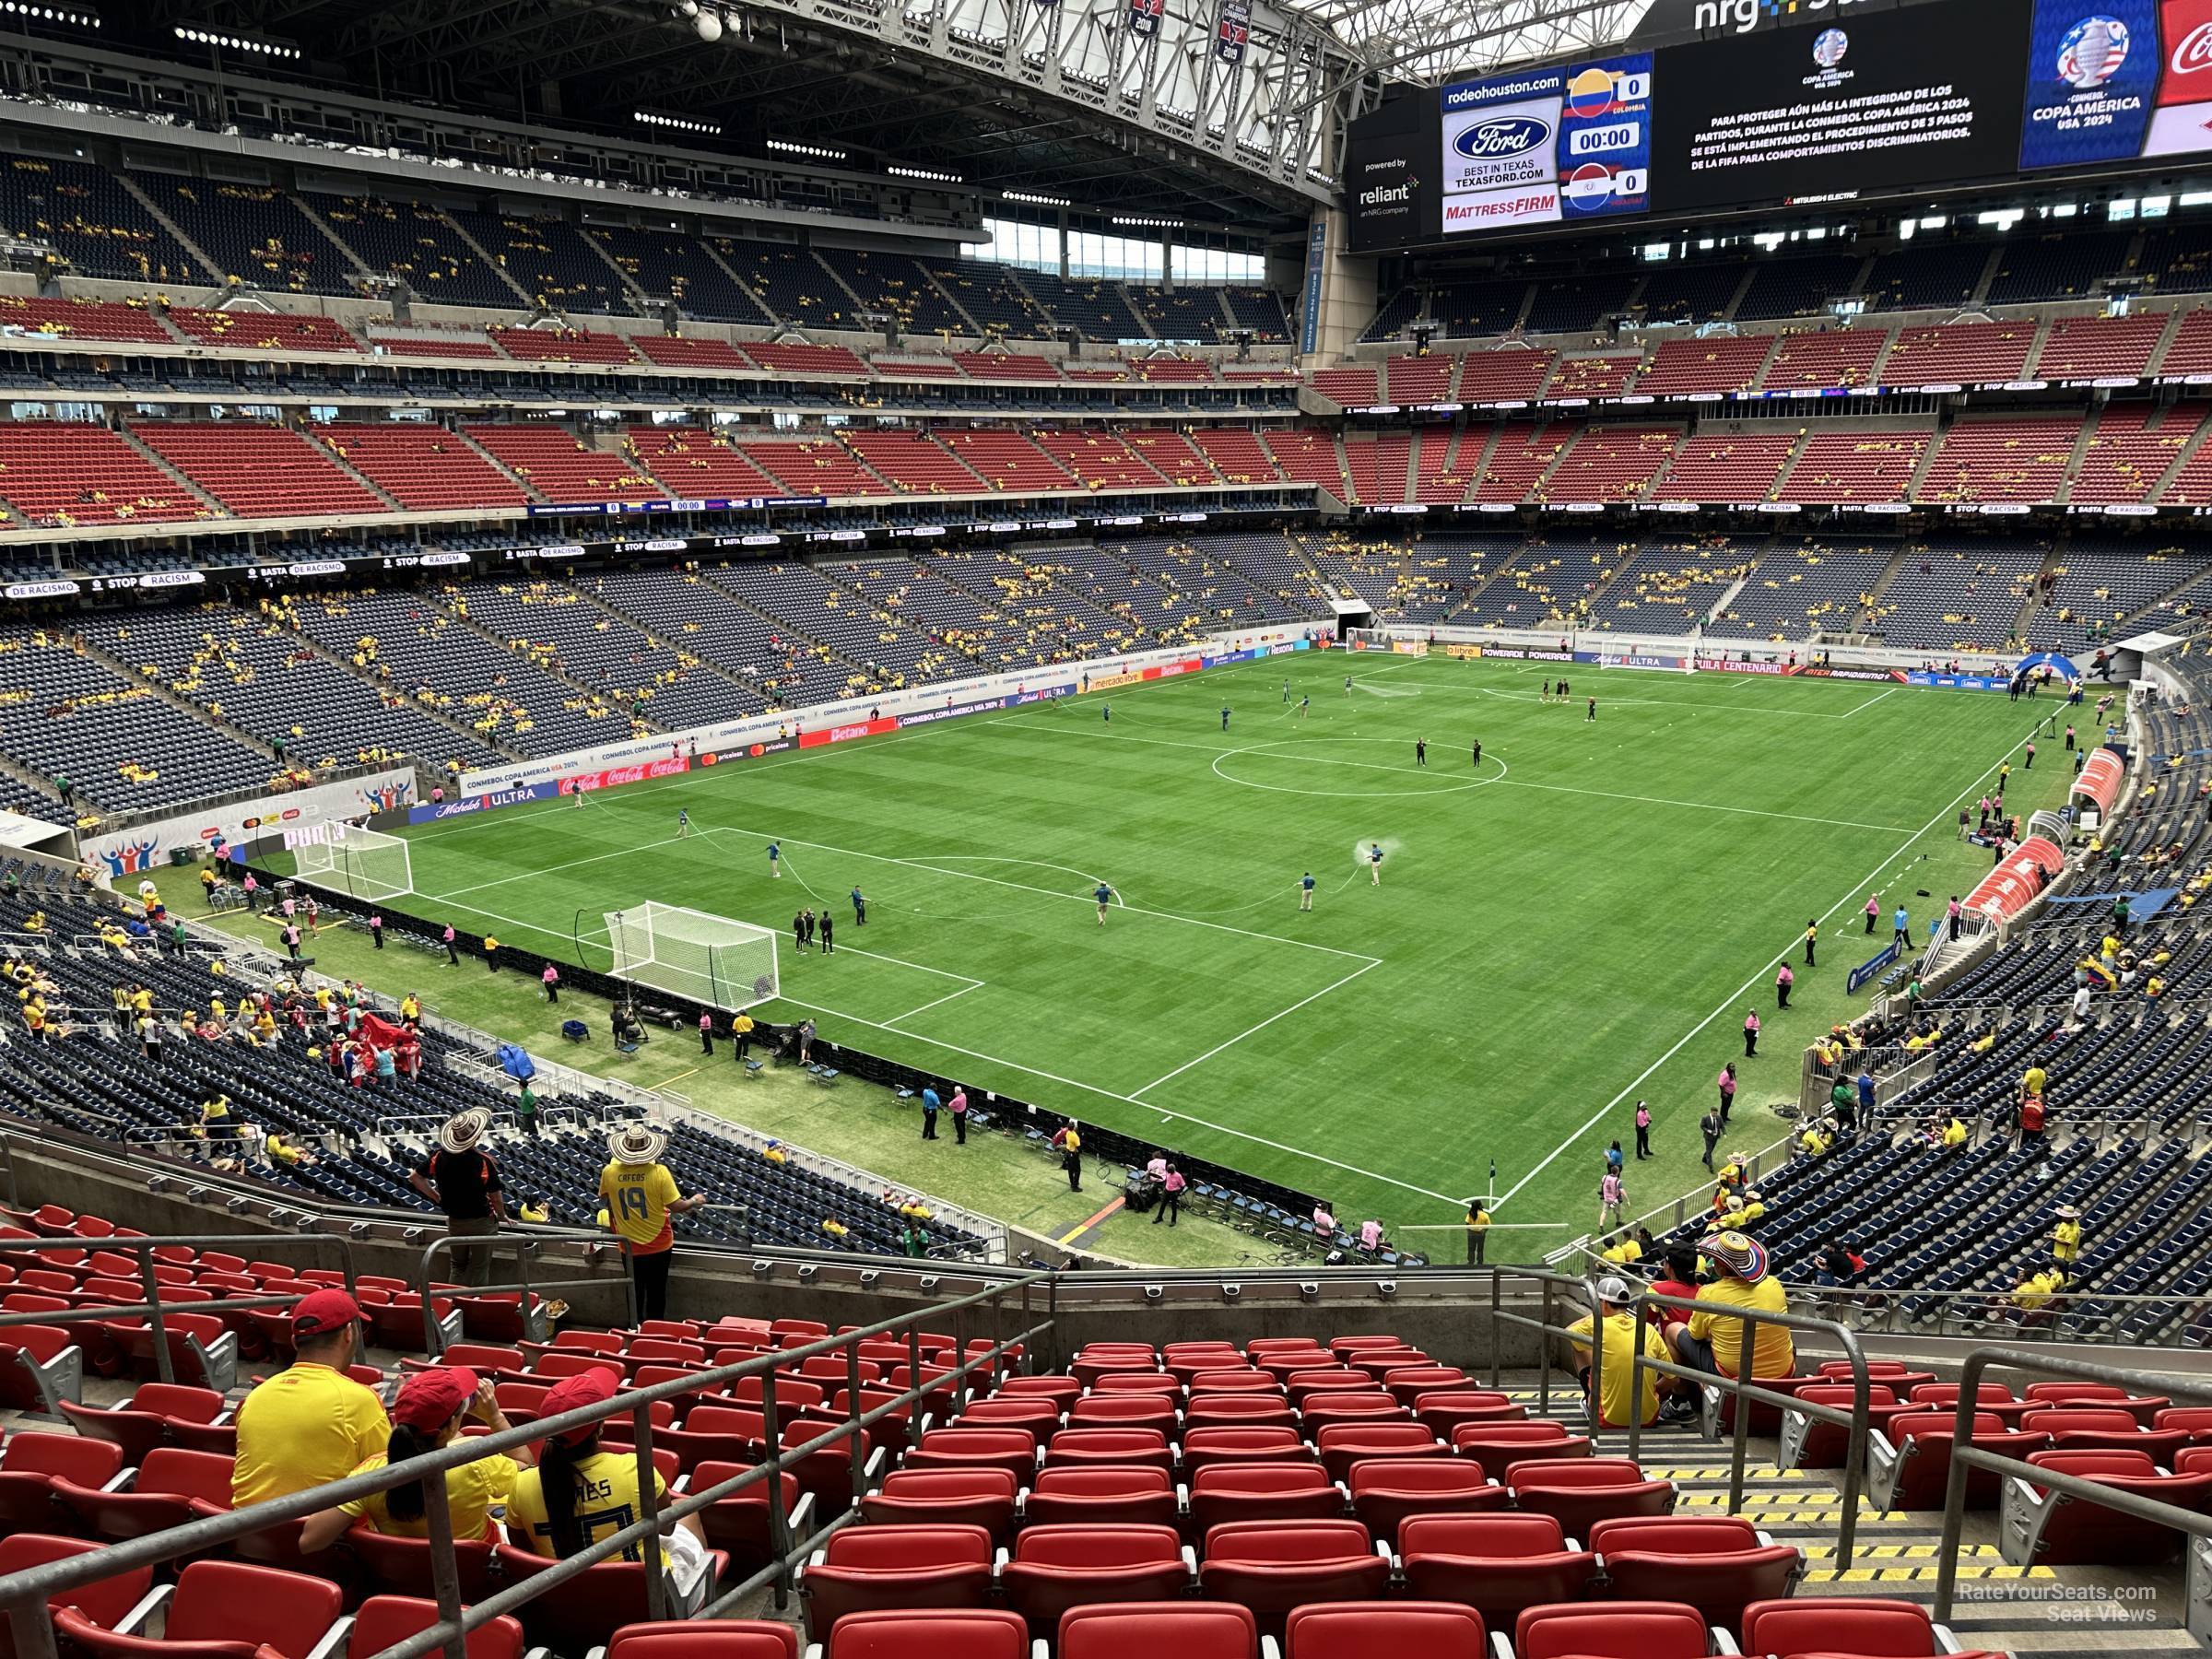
1830,46
2092,53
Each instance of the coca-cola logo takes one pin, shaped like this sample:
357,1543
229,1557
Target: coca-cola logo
623,774
2194,50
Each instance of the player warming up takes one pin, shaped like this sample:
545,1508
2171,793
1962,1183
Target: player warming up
1305,891
1347,685
1477,751
775,861
1374,864
1225,717
1590,713
1304,705
1421,751
1104,895
683,824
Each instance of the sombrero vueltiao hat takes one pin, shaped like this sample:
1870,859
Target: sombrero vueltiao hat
1737,1253
637,1144
464,1131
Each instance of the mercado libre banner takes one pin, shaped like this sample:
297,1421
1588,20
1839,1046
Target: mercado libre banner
2006,890
117,853
2101,777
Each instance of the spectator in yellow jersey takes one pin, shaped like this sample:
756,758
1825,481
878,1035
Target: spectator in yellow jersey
2066,1235
642,1197
1479,1231
429,1412
310,1423
1711,1341
1622,1392
579,1495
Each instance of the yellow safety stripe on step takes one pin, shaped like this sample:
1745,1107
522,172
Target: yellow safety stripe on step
1752,1472
1921,1575
1906,1552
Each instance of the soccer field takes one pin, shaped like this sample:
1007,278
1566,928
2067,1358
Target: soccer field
1580,920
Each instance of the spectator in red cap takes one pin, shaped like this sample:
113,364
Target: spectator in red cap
310,1423
431,1408
579,1495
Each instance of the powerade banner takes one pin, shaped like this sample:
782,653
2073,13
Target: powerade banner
1232,28
2117,80
1548,146
2093,73
1868,968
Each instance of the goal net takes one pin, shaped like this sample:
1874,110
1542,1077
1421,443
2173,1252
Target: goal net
363,863
709,958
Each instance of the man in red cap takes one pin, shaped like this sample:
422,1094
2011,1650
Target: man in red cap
310,1423
579,1495
429,1412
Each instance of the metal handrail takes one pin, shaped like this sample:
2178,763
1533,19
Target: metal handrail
24,1595
1743,1391
152,1309
526,1246
1966,1456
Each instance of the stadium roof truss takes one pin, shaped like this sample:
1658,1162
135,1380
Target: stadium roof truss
1435,40
1046,95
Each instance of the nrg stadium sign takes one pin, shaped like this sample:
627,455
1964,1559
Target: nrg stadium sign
1681,17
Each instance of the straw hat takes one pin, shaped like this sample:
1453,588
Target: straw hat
464,1131
1737,1253
638,1144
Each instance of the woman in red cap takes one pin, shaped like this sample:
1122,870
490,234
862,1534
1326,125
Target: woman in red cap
579,1495
431,1408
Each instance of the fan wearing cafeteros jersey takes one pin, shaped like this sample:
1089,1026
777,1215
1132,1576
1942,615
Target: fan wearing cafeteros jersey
642,1201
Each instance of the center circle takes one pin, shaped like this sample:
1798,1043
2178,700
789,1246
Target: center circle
1267,750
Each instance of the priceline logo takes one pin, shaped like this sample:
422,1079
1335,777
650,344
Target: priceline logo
1741,16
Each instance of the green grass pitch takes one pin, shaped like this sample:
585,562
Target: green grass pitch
1580,920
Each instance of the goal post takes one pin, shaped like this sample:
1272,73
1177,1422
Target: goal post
361,864
692,953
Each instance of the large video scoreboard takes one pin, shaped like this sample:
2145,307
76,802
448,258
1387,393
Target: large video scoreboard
1789,102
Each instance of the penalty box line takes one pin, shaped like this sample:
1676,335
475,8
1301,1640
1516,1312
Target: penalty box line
1089,1089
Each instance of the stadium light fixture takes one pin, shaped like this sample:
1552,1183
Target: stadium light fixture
72,16
1033,199
816,152
924,173
200,34
1138,221
679,124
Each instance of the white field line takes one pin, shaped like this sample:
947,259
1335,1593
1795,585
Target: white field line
1091,1088
1500,783
1262,1026
1872,700
1749,986
971,985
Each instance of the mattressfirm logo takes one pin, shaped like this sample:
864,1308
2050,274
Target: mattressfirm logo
1508,135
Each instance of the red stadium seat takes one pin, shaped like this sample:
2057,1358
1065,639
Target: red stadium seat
1255,1409
1114,1448
1040,1417
1320,1411
107,1603
143,1421
1578,1492
706,1639
1988,1396
1622,1630
1444,1411
1386,1491
223,1610
1717,1564
385,1620
1131,1495
1326,1379
2041,1528
1123,1411
1144,1382
31,1462
1014,1450
1262,1491
1066,1390
585,1611
41,1366
738,1524
1865,1627
2196,1419
2106,1395
1899,1377
1383,1630
1407,1384
401,1567
1202,1447
1807,1444
961,1633
870,1569
1498,1446
2103,1429
169,1482
1343,1445
1910,1464
1233,1379
979,1497
1056,1567
1173,1630
1499,1563
1272,1567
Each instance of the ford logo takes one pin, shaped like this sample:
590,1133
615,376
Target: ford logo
1510,135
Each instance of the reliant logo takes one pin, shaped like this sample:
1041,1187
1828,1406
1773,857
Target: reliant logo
1741,16
1383,196
2194,50
1512,136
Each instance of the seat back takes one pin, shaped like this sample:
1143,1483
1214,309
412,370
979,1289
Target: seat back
385,1620
231,1601
2087,1463
707,1639
1383,1630
402,1567
187,1474
940,1634
1286,1543
104,1601
904,1547
1099,1547
1505,1536
1170,1629
1875,1627
89,1463
1673,1534
1611,1631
